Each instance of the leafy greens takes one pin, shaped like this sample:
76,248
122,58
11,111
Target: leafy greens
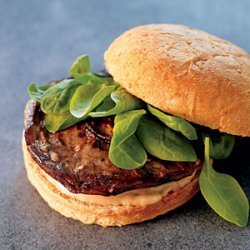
87,97
223,193
125,149
163,142
220,145
175,123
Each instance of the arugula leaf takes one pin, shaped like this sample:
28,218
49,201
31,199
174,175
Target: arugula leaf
221,145
223,193
57,122
118,102
36,92
87,97
80,65
125,149
56,99
163,142
175,123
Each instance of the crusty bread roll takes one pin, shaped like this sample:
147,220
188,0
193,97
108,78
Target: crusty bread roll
126,208
186,72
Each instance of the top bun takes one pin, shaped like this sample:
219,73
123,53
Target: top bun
186,72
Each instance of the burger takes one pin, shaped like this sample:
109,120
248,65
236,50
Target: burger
133,143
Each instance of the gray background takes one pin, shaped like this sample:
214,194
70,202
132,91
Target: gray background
38,42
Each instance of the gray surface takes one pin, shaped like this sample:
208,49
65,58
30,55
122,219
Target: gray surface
38,42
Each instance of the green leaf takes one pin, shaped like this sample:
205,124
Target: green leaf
81,72
35,92
57,122
175,123
163,142
80,65
90,77
221,145
118,102
56,99
223,193
125,149
87,97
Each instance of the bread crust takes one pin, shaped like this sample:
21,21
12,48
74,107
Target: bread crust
69,205
186,72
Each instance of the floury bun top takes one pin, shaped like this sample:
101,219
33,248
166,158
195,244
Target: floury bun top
186,72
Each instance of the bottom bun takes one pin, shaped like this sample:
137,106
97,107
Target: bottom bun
126,208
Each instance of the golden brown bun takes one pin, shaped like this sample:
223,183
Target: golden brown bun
186,72
126,208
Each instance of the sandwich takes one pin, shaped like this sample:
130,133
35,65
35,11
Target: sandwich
139,140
